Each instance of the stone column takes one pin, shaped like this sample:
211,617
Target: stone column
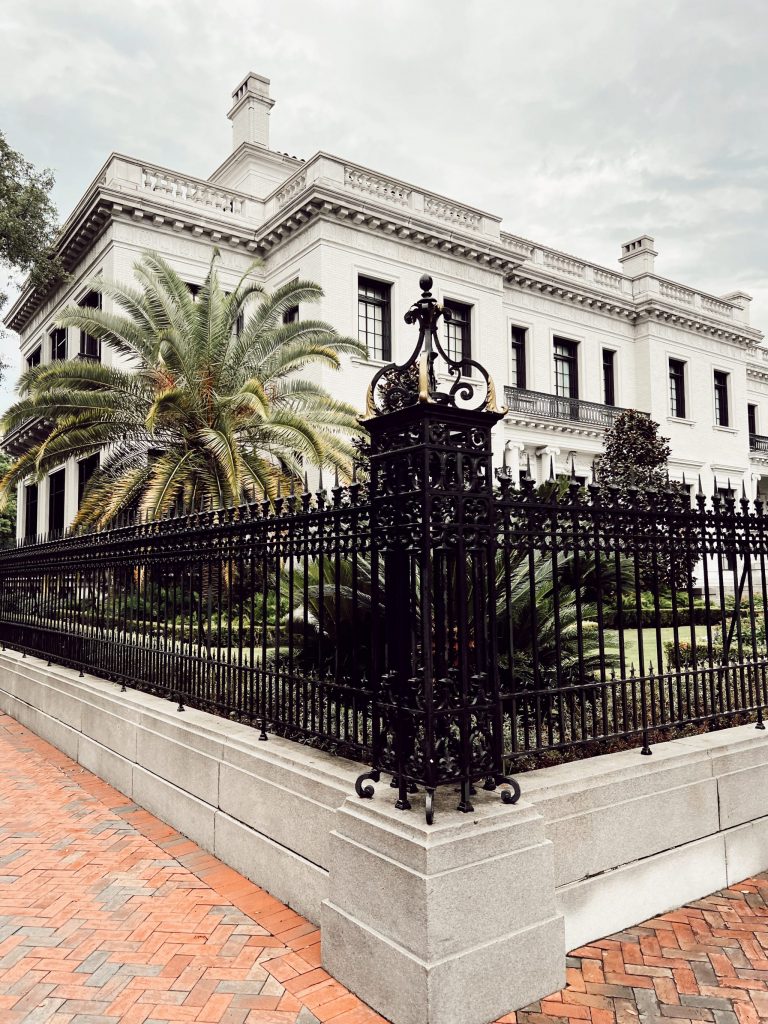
453,923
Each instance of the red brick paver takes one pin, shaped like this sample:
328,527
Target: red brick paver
108,916
707,961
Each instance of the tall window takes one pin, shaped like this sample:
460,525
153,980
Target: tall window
752,418
721,398
373,322
90,347
566,368
291,315
609,377
35,356
30,511
58,338
85,470
458,331
677,388
56,482
518,357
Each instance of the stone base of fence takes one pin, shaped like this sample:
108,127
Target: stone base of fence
451,923
423,921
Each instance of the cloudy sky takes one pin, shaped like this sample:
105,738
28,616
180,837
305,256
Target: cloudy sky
581,122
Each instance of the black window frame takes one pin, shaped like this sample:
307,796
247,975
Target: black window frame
752,417
31,491
58,340
85,469
460,321
568,355
722,410
518,341
35,357
90,347
291,315
677,396
374,295
57,501
609,377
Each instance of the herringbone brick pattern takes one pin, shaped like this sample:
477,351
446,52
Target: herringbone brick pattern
108,916
707,961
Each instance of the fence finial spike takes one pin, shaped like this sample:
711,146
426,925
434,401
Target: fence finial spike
573,468
743,489
354,472
594,471
714,477
320,478
528,465
701,489
729,483
306,482
336,477
684,481
551,467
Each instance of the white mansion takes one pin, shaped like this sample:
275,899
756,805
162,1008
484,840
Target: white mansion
566,341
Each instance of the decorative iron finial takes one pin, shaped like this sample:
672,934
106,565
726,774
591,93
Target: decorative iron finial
399,385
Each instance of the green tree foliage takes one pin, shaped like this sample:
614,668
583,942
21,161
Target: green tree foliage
209,405
27,219
8,512
635,461
634,455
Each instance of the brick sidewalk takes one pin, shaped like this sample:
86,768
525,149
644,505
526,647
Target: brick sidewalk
108,916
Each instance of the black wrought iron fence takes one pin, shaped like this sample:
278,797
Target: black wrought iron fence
257,613
426,624
627,617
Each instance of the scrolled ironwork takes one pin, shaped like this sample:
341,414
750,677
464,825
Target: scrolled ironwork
400,385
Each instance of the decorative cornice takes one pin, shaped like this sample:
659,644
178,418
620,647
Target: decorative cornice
646,310
317,200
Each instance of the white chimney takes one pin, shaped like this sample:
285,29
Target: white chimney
250,111
741,301
637,256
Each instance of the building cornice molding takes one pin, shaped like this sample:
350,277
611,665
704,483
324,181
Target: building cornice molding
635,312
307,202
105,205
129,188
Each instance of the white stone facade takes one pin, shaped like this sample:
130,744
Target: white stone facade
334,222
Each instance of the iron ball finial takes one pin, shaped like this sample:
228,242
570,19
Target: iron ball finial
425,283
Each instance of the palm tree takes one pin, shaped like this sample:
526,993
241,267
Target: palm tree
201,412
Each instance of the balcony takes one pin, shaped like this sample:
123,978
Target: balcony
758,443
21,438
538,405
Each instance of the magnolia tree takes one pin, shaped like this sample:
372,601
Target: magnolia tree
634,455
635,461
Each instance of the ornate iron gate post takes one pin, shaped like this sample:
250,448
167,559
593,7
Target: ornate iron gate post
436,702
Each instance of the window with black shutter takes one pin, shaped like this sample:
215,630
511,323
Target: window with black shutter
609,379
517,379
90,347
56,485
373,317
458,331
30,511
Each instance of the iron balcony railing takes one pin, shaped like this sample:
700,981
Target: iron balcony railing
554,407
758,443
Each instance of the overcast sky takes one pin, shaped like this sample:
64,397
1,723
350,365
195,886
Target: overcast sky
581,122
